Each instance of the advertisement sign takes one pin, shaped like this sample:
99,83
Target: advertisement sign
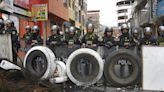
39,12
22,3
7,5
160,8
21,11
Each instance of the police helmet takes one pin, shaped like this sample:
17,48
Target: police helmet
72,29
55,28
124,26
148,30
135,31
8,21
107,29
90,26
35,27
161,28
28,27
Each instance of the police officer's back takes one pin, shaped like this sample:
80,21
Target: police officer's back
90,39
161,36
35,38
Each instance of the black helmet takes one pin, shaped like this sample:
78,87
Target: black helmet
72,29
55,28
148,30
107,29
90,26
28,27
124,26
35,27
2,24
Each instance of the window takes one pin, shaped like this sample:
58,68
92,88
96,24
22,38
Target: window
122,17
122,11
80,16
69,1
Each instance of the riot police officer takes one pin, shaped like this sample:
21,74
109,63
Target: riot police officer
161,36
108,39
148,38
2,25
55,38
35,38
136,38
90,39
27,35
72,37
26,38
14,37
126,39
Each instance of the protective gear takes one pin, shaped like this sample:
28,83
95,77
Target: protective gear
27,35
124,26
161,36
72,29
135,31
8,23
35,27
90,26
35,38
55,28
148,30
28,27
107,29
161,28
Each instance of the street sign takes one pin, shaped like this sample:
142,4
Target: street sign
39,12
7,5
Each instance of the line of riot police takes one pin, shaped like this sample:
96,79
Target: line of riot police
90,39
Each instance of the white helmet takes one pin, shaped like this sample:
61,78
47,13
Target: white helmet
161,28
148,29
124,26
54,28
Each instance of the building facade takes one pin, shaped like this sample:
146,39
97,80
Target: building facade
93,16
60,12
124,8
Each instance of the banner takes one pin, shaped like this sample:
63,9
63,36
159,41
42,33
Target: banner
7,5
22,3
39,12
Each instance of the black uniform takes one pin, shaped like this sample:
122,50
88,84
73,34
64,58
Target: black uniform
71,40
109,41
126,41
26,38
54,40
148,41
90,39
35,39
